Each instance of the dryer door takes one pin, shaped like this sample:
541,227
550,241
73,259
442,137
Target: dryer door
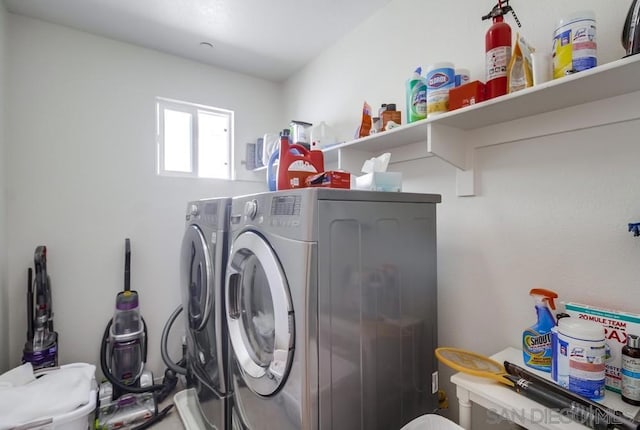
197,278
259,314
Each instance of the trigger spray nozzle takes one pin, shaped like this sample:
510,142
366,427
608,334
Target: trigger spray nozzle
545,296
501,9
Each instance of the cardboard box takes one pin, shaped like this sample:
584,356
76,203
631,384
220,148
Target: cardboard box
390,115
617,325
466,95
329,179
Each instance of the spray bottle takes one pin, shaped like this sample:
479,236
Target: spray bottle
416,97
536,340
498,49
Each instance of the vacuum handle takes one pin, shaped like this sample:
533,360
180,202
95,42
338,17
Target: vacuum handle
598,411
580,413
127,265
30,304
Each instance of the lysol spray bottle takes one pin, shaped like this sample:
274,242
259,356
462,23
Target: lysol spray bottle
536,340
498,50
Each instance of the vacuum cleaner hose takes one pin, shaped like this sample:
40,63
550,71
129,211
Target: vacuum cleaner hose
107,373
163,343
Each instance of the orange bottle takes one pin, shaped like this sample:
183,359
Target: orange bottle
296,163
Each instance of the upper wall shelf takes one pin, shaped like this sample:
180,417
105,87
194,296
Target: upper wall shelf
448,136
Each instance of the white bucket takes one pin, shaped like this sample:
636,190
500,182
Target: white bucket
431,422
574,44
581,357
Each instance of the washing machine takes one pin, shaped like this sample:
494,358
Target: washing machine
203,263
331,309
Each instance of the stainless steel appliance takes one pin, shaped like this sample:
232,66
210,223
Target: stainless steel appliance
203,263
331,309
631,29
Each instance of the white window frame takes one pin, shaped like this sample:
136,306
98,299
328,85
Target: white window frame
193,109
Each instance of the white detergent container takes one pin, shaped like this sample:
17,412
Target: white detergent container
581,357
322,136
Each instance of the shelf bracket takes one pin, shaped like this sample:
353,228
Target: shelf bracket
449,144
466,179
454,146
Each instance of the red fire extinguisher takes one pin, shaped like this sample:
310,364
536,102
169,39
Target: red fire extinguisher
498,49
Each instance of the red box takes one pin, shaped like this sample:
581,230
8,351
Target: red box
466,95
329,179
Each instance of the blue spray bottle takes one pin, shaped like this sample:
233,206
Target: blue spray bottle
536,340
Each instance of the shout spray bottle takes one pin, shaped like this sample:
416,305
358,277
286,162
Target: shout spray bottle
536,340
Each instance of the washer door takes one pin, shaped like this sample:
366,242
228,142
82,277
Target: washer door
197,278
259,314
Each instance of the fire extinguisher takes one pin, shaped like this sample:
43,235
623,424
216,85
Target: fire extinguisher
498,49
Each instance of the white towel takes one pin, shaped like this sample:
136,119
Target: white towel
55,393
17,376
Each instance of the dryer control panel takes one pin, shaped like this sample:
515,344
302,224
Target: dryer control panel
285,205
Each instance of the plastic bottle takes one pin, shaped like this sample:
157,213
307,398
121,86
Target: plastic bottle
554,346
536,340
322,136
296,163
416,97
631,370
272,167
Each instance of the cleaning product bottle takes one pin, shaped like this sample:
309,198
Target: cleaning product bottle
295,164
416,97
272,166
536,340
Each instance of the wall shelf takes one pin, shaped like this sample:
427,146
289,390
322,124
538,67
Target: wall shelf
571,103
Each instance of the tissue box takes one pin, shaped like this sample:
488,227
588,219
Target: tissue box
329,179
380,181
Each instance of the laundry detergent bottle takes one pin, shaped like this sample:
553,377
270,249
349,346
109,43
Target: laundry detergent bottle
295,164
536,340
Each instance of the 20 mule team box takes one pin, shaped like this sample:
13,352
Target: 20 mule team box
617,326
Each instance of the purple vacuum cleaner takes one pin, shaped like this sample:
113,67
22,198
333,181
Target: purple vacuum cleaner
41,347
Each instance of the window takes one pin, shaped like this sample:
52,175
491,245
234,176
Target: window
193,140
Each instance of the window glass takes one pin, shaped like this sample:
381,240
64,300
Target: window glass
177,141
193,140
213,154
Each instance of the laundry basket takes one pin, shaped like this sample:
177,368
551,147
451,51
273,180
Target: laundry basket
431,422
77,419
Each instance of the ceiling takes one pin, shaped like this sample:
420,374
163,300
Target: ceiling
270,39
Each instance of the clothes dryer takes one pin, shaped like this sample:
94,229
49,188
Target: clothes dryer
203,263
331,309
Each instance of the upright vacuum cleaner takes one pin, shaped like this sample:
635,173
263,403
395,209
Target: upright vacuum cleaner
129,398
41,347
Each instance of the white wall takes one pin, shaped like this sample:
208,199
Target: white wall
552,212
81,174
4,314
374,61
